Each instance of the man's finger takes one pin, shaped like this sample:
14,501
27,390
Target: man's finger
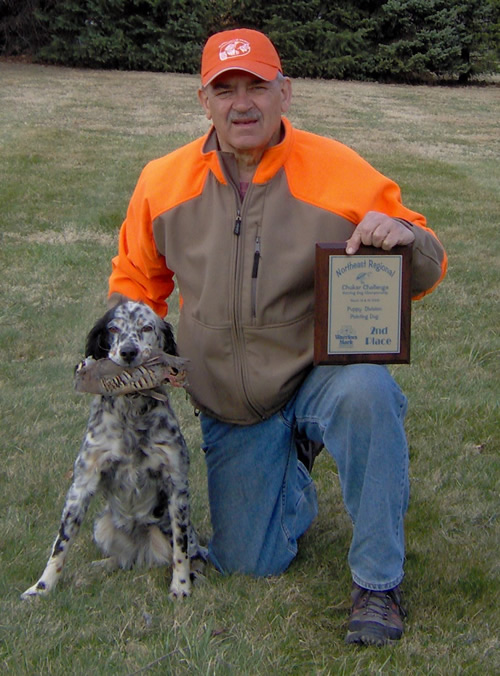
353,243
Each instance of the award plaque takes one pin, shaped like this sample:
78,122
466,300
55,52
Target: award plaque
362,305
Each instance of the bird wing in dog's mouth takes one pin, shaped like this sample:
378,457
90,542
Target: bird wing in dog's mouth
104,376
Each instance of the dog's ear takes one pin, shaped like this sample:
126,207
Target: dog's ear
97,345
169,344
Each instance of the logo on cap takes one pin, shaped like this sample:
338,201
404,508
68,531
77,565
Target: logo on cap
234,48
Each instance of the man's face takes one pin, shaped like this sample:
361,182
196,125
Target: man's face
245,110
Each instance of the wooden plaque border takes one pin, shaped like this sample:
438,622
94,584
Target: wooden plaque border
322,301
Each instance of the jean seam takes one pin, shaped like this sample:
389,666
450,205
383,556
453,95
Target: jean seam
285,421
397,580
404,472
292,548
284,491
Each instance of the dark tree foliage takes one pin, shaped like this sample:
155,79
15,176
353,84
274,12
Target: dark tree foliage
422,39
21,31
394,40
391,40
317,38
160,35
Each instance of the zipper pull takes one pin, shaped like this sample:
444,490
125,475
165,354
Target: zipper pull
237,223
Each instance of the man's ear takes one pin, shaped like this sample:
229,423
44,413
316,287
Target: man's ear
203,99
286,94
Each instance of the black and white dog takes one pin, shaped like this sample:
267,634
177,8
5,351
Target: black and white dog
134,453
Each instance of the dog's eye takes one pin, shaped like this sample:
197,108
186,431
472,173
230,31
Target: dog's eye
147,329
114,329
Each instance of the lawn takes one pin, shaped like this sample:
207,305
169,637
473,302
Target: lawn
72,143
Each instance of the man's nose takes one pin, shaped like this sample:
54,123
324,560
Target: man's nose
242,100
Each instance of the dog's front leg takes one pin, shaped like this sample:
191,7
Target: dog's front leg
75,506
178,508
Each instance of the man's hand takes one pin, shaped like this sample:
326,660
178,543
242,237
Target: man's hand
379,230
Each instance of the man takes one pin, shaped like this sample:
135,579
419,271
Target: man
235,216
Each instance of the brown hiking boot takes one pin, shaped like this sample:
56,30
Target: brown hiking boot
376,616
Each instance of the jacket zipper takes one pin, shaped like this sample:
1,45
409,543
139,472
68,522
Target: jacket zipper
237,299
255,272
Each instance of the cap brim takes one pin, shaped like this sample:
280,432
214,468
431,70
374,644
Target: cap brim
262,71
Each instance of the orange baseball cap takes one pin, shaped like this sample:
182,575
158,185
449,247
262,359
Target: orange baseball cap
240,49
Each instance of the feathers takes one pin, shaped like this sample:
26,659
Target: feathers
104,376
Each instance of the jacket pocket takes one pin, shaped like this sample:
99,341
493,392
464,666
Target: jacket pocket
276,359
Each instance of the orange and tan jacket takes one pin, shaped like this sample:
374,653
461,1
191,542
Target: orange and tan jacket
245,269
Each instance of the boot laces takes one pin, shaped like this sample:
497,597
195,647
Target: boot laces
379,603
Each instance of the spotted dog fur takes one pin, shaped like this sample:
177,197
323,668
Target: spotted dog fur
134,453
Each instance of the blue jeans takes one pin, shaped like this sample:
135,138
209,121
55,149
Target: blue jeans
262,499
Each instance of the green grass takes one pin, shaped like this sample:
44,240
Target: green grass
72,143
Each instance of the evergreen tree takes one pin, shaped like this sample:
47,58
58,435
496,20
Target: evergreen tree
21,32
162,35
423,39
396,40
315,38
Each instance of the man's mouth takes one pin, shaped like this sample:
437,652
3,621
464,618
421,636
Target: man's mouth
244,122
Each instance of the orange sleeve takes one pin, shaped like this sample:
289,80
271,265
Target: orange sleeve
430,262
139,271
332,176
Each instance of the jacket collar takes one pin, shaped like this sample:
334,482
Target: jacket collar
272,160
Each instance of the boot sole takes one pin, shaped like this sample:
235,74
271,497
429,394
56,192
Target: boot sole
372,635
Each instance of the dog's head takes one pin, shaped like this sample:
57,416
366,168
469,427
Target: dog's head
127,333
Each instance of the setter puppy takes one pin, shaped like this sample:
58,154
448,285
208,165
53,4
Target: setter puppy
133,452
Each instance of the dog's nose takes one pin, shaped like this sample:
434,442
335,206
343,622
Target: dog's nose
128,353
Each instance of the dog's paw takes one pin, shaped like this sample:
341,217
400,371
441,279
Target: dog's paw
178,594
37,590
180,589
